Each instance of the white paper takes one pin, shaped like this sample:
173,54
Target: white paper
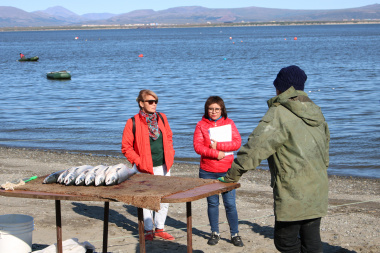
221,134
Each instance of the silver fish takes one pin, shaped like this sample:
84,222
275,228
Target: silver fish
70,178
118,174
91,175
101,176
53,177
82,176
62,176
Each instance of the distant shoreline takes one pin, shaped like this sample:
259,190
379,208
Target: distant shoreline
139,26
88,155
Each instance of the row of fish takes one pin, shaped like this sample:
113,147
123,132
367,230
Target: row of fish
90,175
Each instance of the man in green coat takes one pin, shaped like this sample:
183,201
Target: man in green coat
293,135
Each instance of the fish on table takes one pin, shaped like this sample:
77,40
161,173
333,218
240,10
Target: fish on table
72,175
53,177
62,176
101,176
118,174
80,180
91,175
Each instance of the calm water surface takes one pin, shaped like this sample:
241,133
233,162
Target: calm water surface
184,67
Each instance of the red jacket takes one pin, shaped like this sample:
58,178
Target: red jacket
138,152
201,142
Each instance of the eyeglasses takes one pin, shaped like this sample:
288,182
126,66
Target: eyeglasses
214,109
151,101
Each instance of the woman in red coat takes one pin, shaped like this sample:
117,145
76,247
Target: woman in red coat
147,144
215,139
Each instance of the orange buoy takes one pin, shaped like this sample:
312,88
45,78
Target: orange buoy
230,38
141,55
295,38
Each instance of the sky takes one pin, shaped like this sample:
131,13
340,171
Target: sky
123,6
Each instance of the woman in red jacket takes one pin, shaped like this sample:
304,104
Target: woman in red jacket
147,144
215,139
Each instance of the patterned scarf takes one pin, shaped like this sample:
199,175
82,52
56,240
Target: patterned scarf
151,120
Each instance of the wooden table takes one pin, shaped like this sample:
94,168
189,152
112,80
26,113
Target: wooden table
185,196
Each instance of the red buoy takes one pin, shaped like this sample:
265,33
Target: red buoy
295,38
141,55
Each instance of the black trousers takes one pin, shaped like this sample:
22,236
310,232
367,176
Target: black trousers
298,236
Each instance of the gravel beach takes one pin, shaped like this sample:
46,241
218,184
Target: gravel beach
352,223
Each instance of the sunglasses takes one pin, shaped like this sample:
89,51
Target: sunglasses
151,101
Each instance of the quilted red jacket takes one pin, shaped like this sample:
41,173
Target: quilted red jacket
137,150
201,142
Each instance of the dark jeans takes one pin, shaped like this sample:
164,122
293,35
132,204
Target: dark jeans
298,236
213,205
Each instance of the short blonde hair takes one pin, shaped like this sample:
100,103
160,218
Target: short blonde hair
144,93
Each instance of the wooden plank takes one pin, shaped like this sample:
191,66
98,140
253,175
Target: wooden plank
200,192
189,228
58,223
49,195
186,196
140,217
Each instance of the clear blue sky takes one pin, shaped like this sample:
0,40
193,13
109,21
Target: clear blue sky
123,6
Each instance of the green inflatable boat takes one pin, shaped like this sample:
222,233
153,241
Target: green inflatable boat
59,75
35,58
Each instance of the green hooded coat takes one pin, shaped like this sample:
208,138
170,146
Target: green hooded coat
294,137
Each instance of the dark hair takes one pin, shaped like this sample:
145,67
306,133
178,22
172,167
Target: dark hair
215,100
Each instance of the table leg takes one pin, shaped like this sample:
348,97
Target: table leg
189,228
58,225
140,216
105,226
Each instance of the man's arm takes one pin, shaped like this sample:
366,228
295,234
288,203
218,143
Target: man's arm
263,142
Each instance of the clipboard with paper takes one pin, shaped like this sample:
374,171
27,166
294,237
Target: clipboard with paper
221,134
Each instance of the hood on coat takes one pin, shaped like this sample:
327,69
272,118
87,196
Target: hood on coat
300,104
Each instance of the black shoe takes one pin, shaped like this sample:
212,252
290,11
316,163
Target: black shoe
236,241
214,239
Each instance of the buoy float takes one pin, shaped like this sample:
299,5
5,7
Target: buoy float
76,38
230,38
295,38
141,55
285,39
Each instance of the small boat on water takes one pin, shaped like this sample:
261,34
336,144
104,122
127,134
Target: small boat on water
35,58
63,74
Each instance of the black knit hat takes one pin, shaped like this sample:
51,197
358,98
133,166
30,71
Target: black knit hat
290,76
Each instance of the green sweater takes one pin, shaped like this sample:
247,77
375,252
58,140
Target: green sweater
157,151
294,137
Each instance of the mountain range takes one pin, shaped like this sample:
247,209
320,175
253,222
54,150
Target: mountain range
59,16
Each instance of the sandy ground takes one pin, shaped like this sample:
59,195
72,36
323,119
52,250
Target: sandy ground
352,223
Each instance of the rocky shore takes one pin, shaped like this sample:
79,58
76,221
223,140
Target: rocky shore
352,223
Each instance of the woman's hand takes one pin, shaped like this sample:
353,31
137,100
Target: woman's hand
213,144
221,155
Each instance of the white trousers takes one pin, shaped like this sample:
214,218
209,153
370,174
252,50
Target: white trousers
160,216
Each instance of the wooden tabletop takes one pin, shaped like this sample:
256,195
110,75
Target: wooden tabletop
184,196
200,192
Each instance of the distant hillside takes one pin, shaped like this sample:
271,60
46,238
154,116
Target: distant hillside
98,16
10,17
54,16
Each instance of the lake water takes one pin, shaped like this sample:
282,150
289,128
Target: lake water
184,67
